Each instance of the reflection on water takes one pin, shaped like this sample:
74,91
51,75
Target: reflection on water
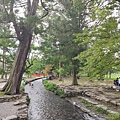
45,105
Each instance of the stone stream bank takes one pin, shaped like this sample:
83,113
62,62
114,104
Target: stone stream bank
103,96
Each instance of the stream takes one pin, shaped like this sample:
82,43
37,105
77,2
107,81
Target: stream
45,105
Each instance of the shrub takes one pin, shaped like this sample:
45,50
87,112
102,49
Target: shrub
52,87
60,93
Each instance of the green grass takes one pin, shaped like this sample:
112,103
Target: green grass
82,81
114,117
100,110
2,94
114,76
95,108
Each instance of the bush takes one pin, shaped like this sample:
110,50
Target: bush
52,87
49,86
60,93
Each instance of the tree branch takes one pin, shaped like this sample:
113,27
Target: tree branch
30,64
29,6
44,9
34,7
11,17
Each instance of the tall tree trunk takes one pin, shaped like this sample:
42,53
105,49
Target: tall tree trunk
110,74
60,66
14,82
75,82
3,64
24,35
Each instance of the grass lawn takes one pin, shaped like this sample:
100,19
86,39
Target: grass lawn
82,81
2,94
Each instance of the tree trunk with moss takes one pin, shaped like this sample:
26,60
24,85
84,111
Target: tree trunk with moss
24,35
75,82
14,82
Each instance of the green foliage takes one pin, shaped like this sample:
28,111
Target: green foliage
52,87
62,72
59,45
8,48
24,82
95,108
2,71
114,117
102,43
48,69
36,65
101,110
60,93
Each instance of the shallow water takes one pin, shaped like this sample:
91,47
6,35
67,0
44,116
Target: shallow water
45,105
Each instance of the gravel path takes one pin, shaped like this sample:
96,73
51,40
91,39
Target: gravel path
7,109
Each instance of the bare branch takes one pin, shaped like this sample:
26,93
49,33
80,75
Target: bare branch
44,9
11,18
30,64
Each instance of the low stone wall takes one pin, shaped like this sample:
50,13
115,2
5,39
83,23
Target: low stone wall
9,98
70,91
93,92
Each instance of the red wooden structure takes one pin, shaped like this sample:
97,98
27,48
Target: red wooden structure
39,75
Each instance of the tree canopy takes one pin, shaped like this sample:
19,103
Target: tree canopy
102,39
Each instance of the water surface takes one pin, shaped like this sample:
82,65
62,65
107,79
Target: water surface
45,105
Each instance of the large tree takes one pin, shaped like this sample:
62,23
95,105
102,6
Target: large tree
61,26
102,39
22,15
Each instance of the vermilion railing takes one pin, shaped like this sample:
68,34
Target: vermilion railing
39,75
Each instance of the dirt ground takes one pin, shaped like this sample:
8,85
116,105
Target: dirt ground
7,109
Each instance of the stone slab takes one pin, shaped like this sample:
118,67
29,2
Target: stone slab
12,117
